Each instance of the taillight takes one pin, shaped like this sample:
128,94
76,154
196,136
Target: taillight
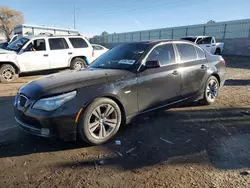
93,53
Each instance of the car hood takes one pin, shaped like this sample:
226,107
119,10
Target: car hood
3,51
69,81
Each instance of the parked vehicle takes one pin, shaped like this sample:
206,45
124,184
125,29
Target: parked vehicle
126,81
3,45
35,53
207,43
99,50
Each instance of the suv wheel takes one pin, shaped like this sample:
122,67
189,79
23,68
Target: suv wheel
211,90
77,64
100,121
7,74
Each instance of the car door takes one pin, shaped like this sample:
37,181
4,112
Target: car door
159,86
59,54
193,66
205,43
34,55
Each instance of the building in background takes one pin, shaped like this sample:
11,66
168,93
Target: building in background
26,29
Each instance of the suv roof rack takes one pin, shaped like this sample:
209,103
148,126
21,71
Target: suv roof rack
46,33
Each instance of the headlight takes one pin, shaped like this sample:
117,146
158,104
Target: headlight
52,103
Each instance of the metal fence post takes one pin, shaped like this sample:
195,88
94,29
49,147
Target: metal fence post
112,38
132,37
224,34
160,34
204,30
172,34
118,38
186,31
140,36
149,35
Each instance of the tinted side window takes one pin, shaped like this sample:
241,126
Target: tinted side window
39,45
206,40
200,53
58,44
78,43
164,54
186,52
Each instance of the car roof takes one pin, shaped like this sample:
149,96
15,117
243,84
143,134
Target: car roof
195,36
154,42
51,36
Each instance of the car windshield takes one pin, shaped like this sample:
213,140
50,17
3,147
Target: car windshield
121,57
17,44
192,39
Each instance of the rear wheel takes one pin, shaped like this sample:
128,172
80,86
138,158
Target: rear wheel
217,51
77,64
7,74
211,90
100,121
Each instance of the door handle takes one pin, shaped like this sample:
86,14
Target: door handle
70,53
208,46
175,72
203,67
45,55
213,45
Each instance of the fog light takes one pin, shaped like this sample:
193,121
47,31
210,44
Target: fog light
45,132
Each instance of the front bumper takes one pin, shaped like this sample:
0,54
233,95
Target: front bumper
47,124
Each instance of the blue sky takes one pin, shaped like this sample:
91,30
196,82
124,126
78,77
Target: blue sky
95,16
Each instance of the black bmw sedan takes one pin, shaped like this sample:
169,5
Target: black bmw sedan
130,79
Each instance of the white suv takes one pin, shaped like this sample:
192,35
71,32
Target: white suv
35,53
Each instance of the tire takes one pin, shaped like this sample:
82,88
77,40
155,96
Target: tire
217,51
211,91
95,136
77,64
7,74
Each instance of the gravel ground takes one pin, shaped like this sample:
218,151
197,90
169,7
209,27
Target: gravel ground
189,146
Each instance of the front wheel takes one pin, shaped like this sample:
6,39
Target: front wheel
100,121
7,74
211,90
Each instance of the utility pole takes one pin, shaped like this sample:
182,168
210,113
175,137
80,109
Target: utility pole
74,16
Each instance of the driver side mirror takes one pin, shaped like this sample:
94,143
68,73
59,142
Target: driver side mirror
152,64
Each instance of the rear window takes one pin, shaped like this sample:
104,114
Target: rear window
186,51
58,44
78,42
200,53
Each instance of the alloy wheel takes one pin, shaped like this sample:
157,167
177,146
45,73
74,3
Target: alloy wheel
8,74
102,121
78,65
212,90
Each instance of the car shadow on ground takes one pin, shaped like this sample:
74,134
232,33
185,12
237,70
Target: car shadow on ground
177,136
219,136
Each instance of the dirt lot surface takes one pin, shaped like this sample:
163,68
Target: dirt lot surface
189,146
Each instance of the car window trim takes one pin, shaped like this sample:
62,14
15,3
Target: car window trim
76,37
181,61
63,43
161,65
